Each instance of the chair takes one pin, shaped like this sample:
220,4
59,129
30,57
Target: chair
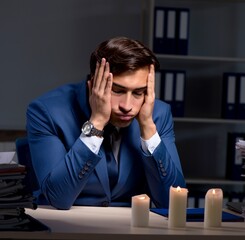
24,158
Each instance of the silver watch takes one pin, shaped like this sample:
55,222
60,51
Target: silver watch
89,130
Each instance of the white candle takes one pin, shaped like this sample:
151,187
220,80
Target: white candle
177,207
213,208
140,210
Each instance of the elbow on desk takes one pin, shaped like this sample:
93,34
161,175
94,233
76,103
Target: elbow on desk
58,197
58,202
60,205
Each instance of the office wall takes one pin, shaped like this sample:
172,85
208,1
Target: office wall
47,43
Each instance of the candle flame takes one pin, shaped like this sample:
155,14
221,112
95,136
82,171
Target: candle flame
142,198
178,189
213,191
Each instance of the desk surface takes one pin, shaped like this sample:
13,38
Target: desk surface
114,223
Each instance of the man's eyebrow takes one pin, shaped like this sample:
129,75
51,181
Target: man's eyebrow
136,89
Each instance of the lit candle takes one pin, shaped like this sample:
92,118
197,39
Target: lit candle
177,207
140,210
213,208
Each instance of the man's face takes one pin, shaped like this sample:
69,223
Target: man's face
127,96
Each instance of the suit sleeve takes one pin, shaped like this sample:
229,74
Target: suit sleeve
62,173
163,168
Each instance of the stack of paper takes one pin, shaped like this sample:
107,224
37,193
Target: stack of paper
14,197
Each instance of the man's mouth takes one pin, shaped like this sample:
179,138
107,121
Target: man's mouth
124,117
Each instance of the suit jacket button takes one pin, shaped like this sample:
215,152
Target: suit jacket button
89,163
86,167
80,175
163,172
105,204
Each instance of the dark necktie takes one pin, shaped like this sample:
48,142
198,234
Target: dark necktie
112,164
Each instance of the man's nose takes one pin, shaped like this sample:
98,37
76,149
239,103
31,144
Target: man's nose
126,103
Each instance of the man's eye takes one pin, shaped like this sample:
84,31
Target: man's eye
117,91
140,93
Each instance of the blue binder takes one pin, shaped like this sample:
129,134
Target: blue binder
229,99
158,80
241,97
167,87
183,17
173,90
179,94
159,30
164,40
171,30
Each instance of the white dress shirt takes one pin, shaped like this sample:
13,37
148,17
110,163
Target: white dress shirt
94,143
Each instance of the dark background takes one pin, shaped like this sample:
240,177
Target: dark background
44,44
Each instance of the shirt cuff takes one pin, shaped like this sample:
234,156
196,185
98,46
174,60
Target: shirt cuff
93,142
151,144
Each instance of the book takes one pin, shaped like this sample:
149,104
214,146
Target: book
9,168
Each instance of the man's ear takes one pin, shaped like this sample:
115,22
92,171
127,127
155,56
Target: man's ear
90,78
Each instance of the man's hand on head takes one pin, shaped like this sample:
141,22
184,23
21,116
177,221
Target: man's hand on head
147,126
100,94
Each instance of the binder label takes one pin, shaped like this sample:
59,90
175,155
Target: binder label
231,94
158,84
183,30
169,80
242,90
171,24
159,24
180,81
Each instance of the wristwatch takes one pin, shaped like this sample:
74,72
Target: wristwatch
89,130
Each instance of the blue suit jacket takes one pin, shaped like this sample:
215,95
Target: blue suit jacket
69,173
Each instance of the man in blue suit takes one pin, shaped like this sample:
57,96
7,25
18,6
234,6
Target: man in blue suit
70,144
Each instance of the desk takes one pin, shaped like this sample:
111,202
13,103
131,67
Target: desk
107,223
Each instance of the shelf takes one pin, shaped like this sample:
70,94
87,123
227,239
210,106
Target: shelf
215,46
201,58
209,120
214,34
214,181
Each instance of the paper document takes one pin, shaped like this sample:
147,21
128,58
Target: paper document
7,157
240,144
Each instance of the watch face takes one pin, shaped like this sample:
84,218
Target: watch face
87,128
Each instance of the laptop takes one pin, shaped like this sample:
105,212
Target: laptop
236,206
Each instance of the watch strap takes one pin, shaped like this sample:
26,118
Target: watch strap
96,132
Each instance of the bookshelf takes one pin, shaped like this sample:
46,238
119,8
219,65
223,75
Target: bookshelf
215,46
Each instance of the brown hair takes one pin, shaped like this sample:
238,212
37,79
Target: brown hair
124,55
